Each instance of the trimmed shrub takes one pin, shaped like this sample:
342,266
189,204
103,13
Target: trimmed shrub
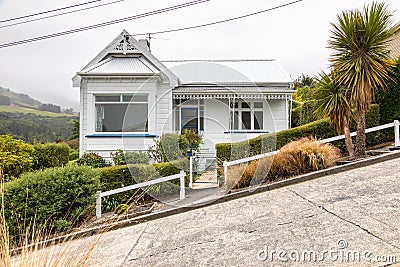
297,157
47,196
73,155
50,155
15,157
124,175
93,160
135,157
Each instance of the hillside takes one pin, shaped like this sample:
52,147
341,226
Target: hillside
35,126
21,100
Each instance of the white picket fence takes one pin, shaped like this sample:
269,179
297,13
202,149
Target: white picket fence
394,124
100,194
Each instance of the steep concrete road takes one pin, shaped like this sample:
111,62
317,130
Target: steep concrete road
347,219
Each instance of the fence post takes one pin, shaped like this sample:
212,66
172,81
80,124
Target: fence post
225,171
182,183
98,204
396,133
191,171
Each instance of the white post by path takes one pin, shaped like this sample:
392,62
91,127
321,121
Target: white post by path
182,183
98,204
225,171
191,171
396,133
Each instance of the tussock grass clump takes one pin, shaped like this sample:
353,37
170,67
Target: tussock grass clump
297,157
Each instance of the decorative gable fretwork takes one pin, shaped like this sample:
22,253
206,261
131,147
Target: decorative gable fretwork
124,46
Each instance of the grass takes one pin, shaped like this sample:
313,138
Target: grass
298,157
16,109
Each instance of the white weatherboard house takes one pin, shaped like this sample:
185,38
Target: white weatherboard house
128,97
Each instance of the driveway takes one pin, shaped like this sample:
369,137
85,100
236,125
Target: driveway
346,219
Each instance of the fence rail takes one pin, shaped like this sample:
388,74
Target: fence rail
100,194
394,124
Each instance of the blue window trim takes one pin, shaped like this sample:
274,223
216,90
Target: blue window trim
119,135
245,132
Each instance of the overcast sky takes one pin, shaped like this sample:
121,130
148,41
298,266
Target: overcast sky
295,35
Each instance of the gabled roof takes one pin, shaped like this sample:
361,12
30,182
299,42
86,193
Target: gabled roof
124,45
256,71
122,65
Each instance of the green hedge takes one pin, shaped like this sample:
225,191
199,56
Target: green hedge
50,197
269,142
119,176
50,155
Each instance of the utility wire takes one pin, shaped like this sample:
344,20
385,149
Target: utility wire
151,13
60,14
49,11
220,21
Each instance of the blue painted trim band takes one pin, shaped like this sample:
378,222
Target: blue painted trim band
119,135
246,132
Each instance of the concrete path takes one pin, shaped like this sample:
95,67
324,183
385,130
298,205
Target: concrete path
346,219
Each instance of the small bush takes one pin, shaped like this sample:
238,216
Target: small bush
174,146
135,157
50,155
15,157
297,157
46,196
93,160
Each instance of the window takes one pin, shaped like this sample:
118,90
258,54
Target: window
247,116
121,113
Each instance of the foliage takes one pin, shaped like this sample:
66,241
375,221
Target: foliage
124,175
389,100
46,196
73,155
172,146
50,155
304,80
92,159
50,107
297,157
134,157
74,130
73,144
34,128
360,58
15,157
319,129
4,100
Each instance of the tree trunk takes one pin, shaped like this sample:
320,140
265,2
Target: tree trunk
347,138
360,139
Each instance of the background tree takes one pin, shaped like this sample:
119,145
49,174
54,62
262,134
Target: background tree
359,57
334,103
4,100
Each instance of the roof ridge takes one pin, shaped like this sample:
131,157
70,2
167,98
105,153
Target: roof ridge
218,60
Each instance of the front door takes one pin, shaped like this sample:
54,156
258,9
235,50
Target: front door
189,119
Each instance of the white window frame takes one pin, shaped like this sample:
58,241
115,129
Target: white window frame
239,109
121,101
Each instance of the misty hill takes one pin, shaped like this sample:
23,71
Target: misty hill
21,100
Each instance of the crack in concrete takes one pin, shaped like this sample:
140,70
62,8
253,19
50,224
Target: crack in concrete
134,245
342,218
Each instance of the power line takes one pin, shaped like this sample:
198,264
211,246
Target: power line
220,21
151,13
49,11
60,14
